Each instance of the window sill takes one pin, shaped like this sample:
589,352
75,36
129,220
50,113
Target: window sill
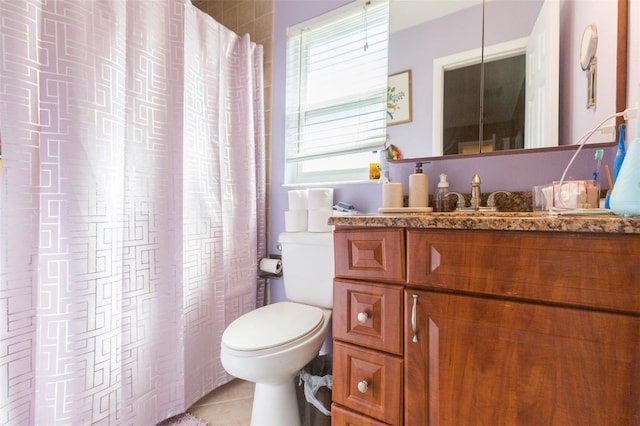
330,184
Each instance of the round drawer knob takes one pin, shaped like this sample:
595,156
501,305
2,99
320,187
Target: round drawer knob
363,386
363,317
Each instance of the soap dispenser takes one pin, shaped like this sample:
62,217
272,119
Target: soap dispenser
418,188
442,199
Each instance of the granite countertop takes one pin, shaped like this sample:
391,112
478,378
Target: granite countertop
497,221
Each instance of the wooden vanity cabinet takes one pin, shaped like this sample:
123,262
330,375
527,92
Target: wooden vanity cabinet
522,328
494,327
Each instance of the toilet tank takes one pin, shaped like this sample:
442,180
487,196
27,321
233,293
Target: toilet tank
307,267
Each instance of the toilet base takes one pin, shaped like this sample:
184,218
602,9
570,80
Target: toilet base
275,404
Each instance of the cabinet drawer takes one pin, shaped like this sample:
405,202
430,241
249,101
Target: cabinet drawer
369,382
375,253
593,270
368,314
342,417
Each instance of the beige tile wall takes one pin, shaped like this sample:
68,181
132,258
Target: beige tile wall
253,17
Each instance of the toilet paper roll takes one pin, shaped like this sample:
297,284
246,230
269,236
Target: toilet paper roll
271,266
320,198
392,195
298,199
295,220
317,221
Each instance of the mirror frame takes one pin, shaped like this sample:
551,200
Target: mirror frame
622,58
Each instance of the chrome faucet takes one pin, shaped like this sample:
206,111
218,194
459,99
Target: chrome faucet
475,203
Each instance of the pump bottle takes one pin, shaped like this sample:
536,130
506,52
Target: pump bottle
442,199
418,188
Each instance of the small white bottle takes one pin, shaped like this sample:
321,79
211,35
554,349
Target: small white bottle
442,199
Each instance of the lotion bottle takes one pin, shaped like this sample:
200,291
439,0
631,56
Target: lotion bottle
418,188
442,199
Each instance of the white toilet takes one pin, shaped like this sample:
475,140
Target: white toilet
270,345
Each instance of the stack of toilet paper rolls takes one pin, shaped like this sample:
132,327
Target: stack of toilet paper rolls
309,210
320,209
295,219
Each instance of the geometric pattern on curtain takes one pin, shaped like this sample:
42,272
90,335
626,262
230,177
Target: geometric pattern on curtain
132,206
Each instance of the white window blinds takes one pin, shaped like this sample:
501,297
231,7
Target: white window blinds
337,83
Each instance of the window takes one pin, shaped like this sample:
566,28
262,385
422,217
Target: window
336,94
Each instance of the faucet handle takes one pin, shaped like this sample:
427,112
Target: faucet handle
491,200
461,201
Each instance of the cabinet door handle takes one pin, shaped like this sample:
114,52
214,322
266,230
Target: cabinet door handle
414,318
363,386
363,317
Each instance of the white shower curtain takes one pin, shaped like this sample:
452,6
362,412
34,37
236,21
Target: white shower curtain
132,208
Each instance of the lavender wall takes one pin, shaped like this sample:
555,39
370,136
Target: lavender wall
517,172
575,119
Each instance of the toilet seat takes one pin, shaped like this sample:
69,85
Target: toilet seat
272,326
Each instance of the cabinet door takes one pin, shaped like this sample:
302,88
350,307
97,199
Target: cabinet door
482,361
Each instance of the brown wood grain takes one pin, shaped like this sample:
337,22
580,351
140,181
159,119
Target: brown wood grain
483,361
383,306
512,327
596,270
343,417
382,372
372,253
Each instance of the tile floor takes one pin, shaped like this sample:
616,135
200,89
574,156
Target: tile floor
228,405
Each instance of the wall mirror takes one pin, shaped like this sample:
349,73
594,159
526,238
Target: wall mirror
425,34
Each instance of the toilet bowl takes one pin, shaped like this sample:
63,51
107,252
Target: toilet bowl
271,344
273,368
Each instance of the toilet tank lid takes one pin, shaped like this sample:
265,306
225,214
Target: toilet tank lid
272,325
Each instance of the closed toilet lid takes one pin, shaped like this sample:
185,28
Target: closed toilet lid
272,325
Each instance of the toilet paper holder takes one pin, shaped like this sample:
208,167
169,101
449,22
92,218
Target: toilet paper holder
265,274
